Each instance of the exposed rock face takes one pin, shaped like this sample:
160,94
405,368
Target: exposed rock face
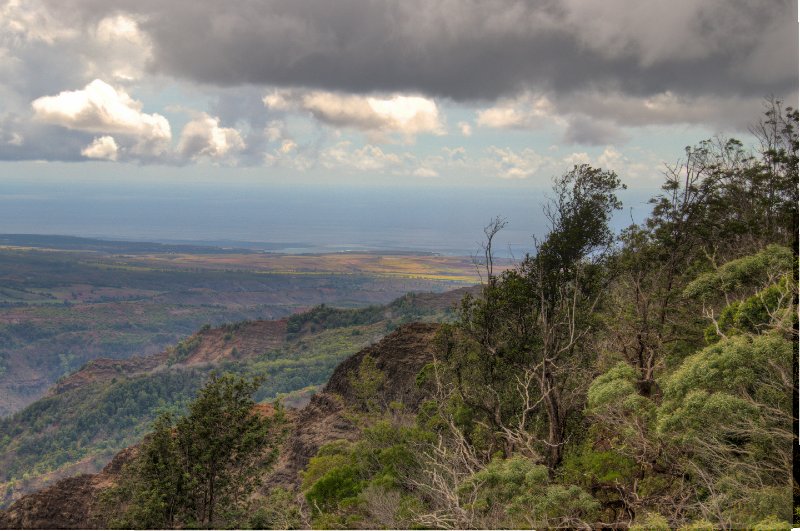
72,503
400,355
68,504
242,341
64,505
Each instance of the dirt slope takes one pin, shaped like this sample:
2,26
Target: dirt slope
229,342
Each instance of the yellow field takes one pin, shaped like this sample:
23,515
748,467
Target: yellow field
452,268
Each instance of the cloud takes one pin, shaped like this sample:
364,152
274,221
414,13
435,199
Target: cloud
103,147
31,22
637,167
656,33
100,108
455,155
641,168
365,158
119,50
527,111
203,137
665,108
275,130
509,164
594,117
287,146
425,172
590,71
469,49
586,131
406,115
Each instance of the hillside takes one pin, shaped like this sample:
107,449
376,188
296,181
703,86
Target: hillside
107,405
401,354
235,342
67,301
72,503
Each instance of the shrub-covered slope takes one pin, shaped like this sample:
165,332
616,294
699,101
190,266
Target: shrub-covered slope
107,405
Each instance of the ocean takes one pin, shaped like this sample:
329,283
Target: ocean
294,219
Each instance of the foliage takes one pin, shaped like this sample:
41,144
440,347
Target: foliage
727,410
517,493
62,305
324,317
761,268
652,522
367,382
200,469
643,381
518,352
278,510
94,422
342,481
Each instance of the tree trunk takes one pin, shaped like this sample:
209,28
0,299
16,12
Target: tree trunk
211,500
555,435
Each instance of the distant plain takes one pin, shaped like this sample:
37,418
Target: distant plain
66,301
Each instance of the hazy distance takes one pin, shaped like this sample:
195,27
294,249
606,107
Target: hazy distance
305,218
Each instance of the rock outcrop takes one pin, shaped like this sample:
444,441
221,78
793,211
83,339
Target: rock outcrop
71,503
400,355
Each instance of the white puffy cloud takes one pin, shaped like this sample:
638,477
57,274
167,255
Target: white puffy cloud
122,49
275,130
119,27
287,146
423,171
576,159
509,164
365,158
29,21
527,111
203,137
465,128
406,115
104,148
642,168
100,108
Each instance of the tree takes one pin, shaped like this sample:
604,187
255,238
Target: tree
517,493
517,353
716,442
152,483
220,441
200,469
718,202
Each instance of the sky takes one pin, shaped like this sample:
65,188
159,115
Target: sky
447,95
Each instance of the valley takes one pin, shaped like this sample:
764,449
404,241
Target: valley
65,301
78,417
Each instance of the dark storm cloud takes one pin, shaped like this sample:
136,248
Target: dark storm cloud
471,50
582,130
